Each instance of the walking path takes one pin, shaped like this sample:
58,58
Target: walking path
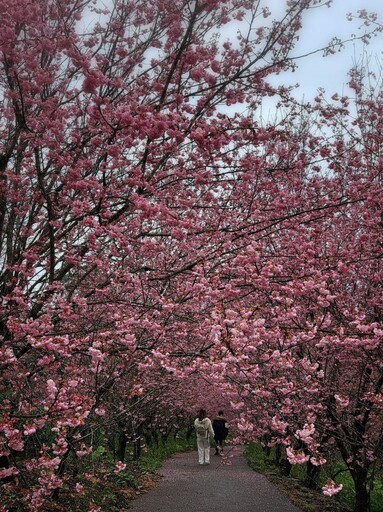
228,484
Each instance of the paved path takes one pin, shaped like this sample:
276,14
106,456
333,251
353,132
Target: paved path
228,484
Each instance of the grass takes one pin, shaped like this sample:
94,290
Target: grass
153,456
305,499
113,491
95,479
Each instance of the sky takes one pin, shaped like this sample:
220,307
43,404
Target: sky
320,25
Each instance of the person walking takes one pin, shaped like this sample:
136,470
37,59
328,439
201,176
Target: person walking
220,432
204,431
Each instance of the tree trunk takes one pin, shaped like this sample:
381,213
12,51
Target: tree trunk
122,441
265,445
190,432
110,441
137,448
278,454
362,495
285,467
312,476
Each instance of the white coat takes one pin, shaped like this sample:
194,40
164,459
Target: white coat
203,441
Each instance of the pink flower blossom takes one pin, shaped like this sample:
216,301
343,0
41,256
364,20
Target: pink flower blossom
79,488
120,466
342,401
306,433
8,472
296,457
96,354
318,461
331,488
51,387
29,430
279,425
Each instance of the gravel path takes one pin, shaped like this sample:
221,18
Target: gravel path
228,484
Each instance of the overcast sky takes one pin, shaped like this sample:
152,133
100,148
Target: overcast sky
330,72
320,25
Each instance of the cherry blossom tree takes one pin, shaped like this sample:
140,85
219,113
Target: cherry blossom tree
147,230
303,320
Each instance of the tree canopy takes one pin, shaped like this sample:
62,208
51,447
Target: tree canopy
164,247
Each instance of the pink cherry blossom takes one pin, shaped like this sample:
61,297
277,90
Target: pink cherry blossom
160,251
331,488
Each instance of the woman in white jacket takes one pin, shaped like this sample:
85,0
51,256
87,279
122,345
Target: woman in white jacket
204,430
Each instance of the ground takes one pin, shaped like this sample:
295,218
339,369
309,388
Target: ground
113,492
303,498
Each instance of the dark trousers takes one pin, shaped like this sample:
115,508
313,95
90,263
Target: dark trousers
219,444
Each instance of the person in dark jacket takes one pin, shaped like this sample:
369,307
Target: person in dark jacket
220,432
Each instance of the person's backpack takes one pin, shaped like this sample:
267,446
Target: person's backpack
201,429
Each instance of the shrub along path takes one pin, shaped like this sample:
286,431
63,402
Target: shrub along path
228,484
